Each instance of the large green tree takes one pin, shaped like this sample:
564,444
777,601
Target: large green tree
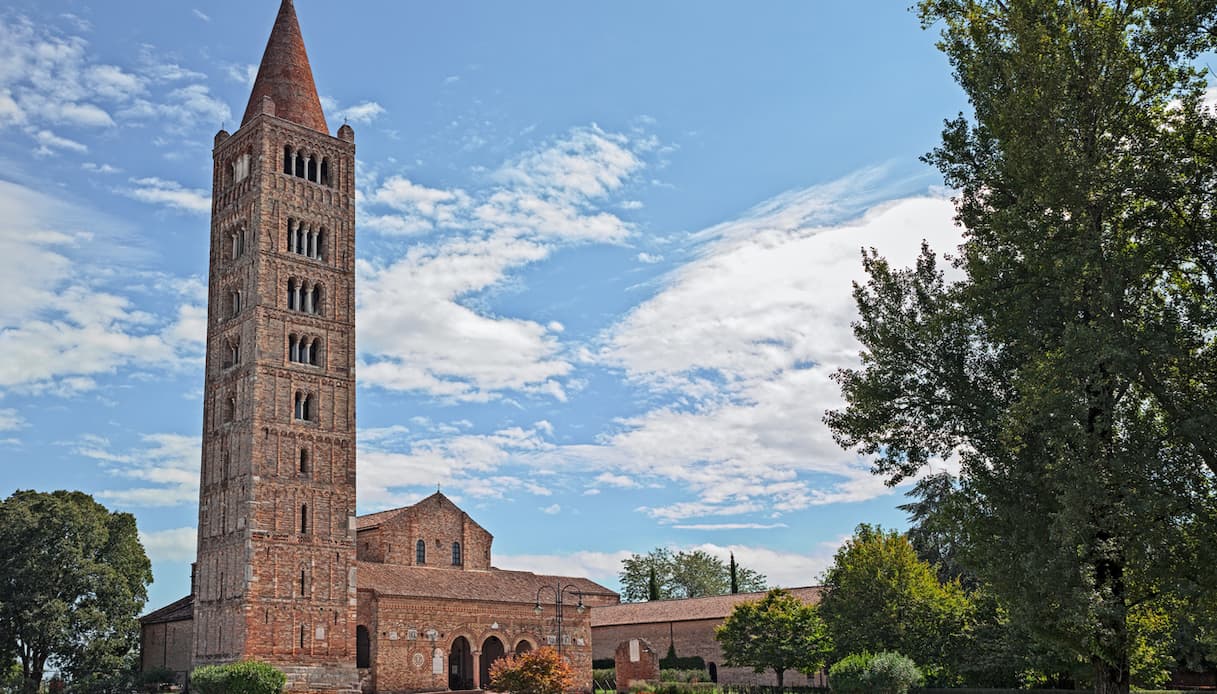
74,579
1070,360
778,632
880,597
662,574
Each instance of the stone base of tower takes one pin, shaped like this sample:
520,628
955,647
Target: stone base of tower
321,679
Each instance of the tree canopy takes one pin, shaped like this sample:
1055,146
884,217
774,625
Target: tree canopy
880,597
778,632
1069,361
75,578
662,574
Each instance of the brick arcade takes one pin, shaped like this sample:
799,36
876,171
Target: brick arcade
286,573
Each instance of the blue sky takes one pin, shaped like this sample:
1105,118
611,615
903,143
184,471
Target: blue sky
605,254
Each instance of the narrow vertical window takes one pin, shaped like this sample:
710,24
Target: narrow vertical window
287,159
293,348
303,461
299,412
304,519
308,408
298,162
301,636
291,294
303,588
420,553
456,554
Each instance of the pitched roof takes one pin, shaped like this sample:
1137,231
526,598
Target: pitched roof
495,585
372,520
690,609
173,612
286,77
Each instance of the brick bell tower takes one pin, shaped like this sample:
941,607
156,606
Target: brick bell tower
275,576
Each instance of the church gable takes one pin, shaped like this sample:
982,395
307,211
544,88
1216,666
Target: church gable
434,533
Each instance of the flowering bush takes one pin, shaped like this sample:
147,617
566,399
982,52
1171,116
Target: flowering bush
542,671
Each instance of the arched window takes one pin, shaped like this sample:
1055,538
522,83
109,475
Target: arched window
234,303
232,352
420,553
303,584
299,164
299,405
236,242
308,408
303,461
456,554
230,408
319,244
315,298
293,348
287,159
314,352
303,522
363,647
325,172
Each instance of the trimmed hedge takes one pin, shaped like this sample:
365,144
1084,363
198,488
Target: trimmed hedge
675,687
245,677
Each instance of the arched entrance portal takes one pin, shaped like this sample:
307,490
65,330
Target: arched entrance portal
492,650
523,647
460,665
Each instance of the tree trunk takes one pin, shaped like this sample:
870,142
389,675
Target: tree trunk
780,674
1110,678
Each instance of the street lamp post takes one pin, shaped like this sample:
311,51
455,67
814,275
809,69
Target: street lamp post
559,591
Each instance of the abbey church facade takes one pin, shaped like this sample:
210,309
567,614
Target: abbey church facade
286,572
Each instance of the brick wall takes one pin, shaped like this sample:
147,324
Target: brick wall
692,638
402,654
438,523
168,645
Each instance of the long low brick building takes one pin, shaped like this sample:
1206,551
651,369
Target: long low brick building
689,626
432,612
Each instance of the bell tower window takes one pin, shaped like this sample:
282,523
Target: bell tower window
420,553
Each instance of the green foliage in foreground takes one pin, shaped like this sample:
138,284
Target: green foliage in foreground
246,677
883,673
778,632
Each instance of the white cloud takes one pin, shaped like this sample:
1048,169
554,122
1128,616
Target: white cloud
729,526
170,194
619,481
366,112
551,510
242,74
11,420
163,472
60,326
598,566
545,198
176,544
649,258
100,168
740,343
200,14
396,463
49,141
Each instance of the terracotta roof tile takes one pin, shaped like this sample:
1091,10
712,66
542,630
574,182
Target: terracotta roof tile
173,612
714,607
286,77
496,585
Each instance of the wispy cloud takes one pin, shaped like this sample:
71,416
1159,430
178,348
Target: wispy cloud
176,544
200,14
164,471
539,201
158,191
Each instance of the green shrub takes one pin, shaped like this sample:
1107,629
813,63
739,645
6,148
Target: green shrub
848,675
674,687
892,673
246,677
152,680
673,675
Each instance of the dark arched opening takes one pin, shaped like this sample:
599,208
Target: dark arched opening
420,553
363,647
492,650
523,647
713,672
287,159
460,665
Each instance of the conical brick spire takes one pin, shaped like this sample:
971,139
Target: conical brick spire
285,76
